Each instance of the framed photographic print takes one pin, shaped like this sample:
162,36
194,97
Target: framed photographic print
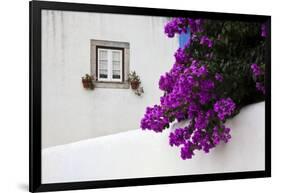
126,96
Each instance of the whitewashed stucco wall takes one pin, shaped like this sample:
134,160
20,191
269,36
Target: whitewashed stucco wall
70,113
138,154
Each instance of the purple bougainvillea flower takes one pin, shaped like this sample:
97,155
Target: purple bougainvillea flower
263,30
181,57
190,93
195,25
155,119
224,108
256,70
206,41
179,136
219,77
257,73
187,151
260,87
176,26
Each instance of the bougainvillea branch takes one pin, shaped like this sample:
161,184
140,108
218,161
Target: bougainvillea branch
202,84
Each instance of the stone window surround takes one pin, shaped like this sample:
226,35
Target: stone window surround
126,59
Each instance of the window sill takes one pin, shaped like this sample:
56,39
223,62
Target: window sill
118,85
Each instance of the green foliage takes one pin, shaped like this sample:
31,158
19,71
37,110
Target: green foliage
133,77
236,46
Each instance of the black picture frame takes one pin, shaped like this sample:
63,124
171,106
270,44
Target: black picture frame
35,184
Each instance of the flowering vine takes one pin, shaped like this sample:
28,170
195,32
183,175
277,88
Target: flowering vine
195,87
258,75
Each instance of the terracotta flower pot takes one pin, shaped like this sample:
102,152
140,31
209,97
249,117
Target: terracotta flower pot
84,82
87,82
135,85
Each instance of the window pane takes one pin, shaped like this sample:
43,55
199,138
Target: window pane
116,74
103,64
103,73
116,55
102,54
115,65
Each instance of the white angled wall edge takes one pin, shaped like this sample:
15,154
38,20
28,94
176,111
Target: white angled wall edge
137,153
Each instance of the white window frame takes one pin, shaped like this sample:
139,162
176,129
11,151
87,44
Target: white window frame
110,65
115,45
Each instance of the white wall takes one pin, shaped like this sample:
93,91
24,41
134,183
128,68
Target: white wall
138,154
71,113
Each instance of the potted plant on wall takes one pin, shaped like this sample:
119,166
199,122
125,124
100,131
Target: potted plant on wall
135,82
87,82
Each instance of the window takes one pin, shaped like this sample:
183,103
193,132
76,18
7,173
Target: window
110,63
